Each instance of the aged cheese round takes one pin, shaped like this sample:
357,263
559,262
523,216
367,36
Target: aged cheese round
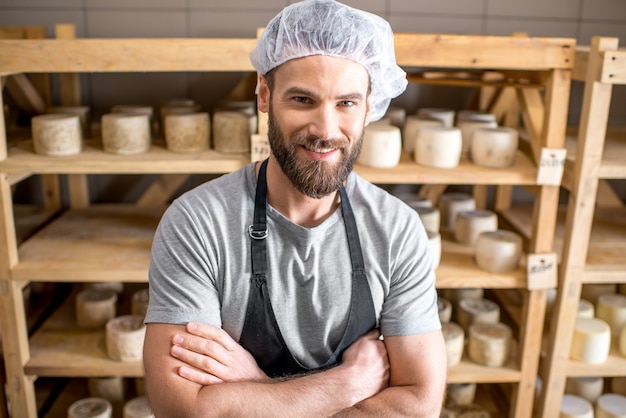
573,406
494,147
490,344
444,307
458,294
125,133
396,115
498,251
591,291
438,146
585,309
618,385
460,394
94,307
90,408
382,146
434,244
109,388
444,115
83,113
187,132
144,110
473,311
430,217
611,405
247,107
468,127
463,115
56,134
231,132
471,223
139,302
611,308
411,128
124,338
450,204
138,408
467,411
591,341
454,337
589,388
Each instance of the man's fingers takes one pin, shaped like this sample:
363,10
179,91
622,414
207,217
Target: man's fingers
206,364
212,333
196,376
200,346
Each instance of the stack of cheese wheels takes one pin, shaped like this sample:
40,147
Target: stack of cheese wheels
467,127
446,116
57,134
259,147
611,308
454,337
434,245
412,126
438,146
477,115
95,307
465,411
231,131
430,217
471,223
585,309
498,251
444,308
126,133
490,344
611,405
592,291
138,408
83,113
494,147
591,341
460,394
573,406
188,132
589,388
450,204
124,338
139,302
90,408
382,146
396,115
473,311
109,388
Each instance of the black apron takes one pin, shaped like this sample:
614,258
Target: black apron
261,335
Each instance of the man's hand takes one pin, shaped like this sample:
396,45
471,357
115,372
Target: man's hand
213,357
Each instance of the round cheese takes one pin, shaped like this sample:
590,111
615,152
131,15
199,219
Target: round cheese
382,146
575,407
438,146
490,344
444,308
446,116
454,337
472,311
471,223
589,388
412,126
396,115
177,107
430,217
467,128
138,408
188,132
126,133
231,132
434,245
463,115
450,204
247,107
460,394
611,308
585,309
124,338
498,251
56,134
83,113
611,405
94,307
591,341
494,147
90,408
109,388
139,302
144,110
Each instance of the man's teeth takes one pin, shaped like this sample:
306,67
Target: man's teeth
320,150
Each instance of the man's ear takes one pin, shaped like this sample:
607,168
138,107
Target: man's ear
263,95
368,109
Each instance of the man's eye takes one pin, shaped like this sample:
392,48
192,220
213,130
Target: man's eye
301,99
346,103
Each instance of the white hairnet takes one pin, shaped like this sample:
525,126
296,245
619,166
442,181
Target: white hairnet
327,27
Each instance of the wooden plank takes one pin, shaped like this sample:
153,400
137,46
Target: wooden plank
51,189
581,61
473,51
607,196
503,102
432,191
532,109
78,188
614,366
614,67
125,55
69,82
25,95
162,190
479,192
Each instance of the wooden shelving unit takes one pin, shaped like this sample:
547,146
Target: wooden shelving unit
112,242
593,239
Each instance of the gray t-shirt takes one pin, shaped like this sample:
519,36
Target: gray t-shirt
201,265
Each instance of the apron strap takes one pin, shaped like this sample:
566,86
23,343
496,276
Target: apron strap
258,230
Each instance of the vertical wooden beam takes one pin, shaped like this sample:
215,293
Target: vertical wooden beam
70,82
41,81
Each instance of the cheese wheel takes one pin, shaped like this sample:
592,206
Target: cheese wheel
56,134
396,115
139,302
468,411
589,388
446,116
460,394
109,388
382,146
454,337
187,132
137,408
95,307
430,217
444,308
490,344
411,128
498,251
117,287
494,147
144,110
438,146
231,132
456,295
125,133
591,291
591,341
575,407
585,309
434,245
473,311
471,223
618,385
83,113
450,204
465,114
90,408
611,405
611,308
259,147
247,107
124,338
468,127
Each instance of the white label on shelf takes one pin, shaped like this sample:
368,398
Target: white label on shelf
551,166
259,146
541,271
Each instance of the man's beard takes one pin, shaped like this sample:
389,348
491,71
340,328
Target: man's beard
312,178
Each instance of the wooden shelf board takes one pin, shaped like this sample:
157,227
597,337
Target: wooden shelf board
613,165
469,372
615,365
520,218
